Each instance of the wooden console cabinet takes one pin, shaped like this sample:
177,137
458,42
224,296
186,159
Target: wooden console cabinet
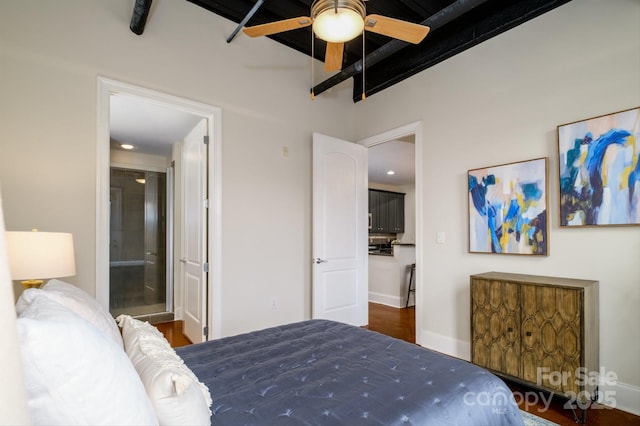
542,331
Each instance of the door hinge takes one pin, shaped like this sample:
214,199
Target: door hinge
205,332
205,140
205,267
206,203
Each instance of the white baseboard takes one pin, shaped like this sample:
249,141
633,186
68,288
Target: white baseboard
384,299
388,300
619,395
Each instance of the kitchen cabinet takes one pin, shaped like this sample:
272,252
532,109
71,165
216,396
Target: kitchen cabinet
395,212
386,212
375,224
542,331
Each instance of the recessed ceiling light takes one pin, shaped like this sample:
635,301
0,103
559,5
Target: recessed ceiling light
141,180
391,172
126,146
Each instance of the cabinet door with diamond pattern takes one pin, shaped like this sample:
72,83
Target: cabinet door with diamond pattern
551,336
495,328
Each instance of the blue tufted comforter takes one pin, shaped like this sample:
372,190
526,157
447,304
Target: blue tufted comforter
327,373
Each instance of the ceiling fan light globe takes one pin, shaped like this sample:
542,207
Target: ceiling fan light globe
338,27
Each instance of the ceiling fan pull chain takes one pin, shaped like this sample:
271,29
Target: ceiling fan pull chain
364,96
313,96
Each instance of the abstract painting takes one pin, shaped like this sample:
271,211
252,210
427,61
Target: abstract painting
508,208
599,170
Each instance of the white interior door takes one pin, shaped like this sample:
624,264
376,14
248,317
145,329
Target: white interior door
340,227
194,226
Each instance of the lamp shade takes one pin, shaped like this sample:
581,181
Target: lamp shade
40,255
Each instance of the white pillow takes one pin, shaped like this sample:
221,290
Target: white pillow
79,302
74,374
177,395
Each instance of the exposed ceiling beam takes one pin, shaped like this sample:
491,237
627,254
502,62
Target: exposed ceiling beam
439,47
139,18
394,66
456,25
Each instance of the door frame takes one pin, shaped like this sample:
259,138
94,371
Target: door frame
414,129
106,87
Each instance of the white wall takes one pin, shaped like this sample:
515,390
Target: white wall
501,102
389,276
51,54
409,234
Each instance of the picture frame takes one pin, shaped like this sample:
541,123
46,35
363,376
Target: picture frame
508,208
599,170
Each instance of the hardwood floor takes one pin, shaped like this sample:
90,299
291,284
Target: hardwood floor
400,323
172,331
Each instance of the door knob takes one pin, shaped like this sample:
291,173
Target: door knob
317,260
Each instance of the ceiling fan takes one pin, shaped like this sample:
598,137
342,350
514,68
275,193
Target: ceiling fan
339,21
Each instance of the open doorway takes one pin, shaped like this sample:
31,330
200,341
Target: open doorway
146,140
159,126
394,247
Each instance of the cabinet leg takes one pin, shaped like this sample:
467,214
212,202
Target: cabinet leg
583,407
583,416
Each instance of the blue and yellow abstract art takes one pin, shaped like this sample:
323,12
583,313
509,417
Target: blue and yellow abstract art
599,161
508,208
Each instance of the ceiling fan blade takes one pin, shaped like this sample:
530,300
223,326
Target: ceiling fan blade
278,26
333,56
390,27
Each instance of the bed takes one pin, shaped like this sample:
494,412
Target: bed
81,368
321,372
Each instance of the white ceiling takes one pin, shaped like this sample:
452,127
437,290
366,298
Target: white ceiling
153,128
396,155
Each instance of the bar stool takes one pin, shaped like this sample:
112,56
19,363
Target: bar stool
413,270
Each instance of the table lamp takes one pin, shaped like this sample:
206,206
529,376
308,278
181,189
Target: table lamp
35,256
